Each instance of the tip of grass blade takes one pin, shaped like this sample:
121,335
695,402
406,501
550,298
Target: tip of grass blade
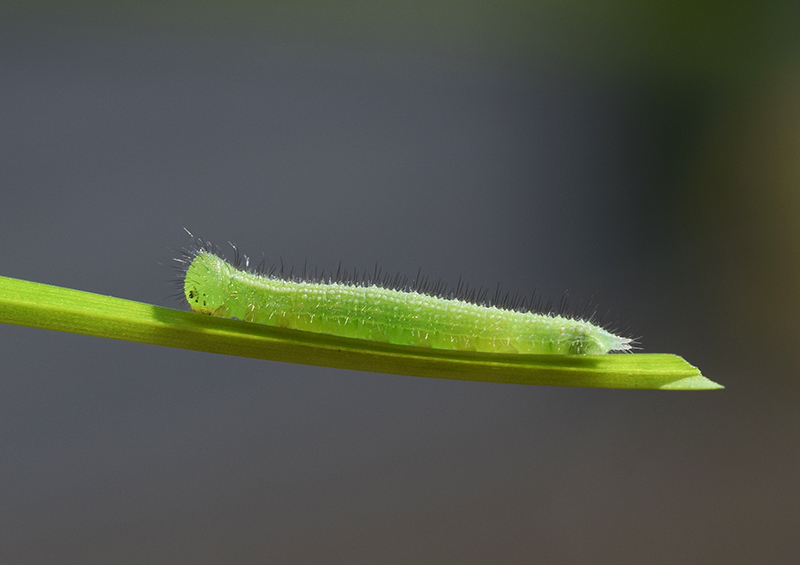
697,382
691,382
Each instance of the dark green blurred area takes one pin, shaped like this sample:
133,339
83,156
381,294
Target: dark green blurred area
703,41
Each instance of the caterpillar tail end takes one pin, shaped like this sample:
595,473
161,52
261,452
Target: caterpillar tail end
622,345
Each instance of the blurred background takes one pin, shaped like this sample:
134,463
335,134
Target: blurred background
644,156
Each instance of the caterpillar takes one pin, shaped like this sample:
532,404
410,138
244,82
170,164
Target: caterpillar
382,309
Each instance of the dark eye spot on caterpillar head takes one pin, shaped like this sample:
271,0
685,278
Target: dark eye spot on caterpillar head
198,300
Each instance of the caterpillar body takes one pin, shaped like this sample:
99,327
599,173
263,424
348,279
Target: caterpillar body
381,311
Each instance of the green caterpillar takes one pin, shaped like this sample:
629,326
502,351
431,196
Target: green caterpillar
382,312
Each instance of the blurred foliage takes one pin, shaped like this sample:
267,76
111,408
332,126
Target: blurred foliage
742,199
712,39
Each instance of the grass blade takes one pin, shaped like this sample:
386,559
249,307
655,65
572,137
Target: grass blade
38,305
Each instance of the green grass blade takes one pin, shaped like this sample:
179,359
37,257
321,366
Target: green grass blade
38,305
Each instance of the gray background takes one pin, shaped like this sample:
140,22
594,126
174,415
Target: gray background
658,181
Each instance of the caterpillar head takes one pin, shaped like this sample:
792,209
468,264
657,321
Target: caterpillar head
203,288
